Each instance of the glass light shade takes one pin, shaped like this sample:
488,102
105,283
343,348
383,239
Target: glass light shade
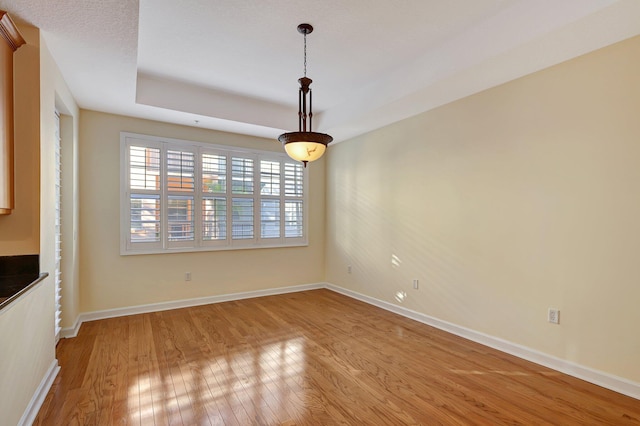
305,146
305,151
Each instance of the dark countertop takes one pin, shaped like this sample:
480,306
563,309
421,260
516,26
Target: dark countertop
6,299
17,275
11,284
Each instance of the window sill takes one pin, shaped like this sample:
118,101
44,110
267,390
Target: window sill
133,252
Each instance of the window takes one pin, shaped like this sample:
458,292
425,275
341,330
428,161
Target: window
187,196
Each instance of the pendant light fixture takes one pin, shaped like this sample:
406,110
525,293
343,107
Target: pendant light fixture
305,145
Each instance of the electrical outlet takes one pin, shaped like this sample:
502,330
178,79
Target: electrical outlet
415,284
553,316
349,269
187,276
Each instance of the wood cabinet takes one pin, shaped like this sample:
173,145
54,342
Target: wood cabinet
10,41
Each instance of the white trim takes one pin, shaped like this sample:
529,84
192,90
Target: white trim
203,248
69,332
600,378
40,394
57,274
185,303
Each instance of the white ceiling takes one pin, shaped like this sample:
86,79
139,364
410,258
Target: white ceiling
233,65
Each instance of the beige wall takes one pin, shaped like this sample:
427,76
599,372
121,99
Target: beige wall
27,325
55,95
28,350
109,280
28,347
70,265
503,204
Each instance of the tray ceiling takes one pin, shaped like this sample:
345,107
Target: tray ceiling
233,65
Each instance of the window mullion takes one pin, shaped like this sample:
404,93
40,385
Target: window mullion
257,204
282,200
197,198
305,203
164,198
229,197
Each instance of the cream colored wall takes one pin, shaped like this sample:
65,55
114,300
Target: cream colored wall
54,94
26,326
503,204
28,350
70,265
109,280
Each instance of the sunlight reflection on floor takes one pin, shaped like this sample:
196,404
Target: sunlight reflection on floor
228,383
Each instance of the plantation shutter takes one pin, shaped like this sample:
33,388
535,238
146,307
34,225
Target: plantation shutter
58,230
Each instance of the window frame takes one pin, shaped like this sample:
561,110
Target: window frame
199,194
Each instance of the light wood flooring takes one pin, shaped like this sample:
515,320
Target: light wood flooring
309,358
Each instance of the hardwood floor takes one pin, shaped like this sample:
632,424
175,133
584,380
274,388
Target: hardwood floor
310,358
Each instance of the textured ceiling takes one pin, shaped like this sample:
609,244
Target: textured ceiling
233,65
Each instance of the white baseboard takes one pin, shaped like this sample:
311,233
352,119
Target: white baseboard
185,303
41,393
609,381
599,378
68,332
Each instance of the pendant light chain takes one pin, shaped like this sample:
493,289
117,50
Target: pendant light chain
305,54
